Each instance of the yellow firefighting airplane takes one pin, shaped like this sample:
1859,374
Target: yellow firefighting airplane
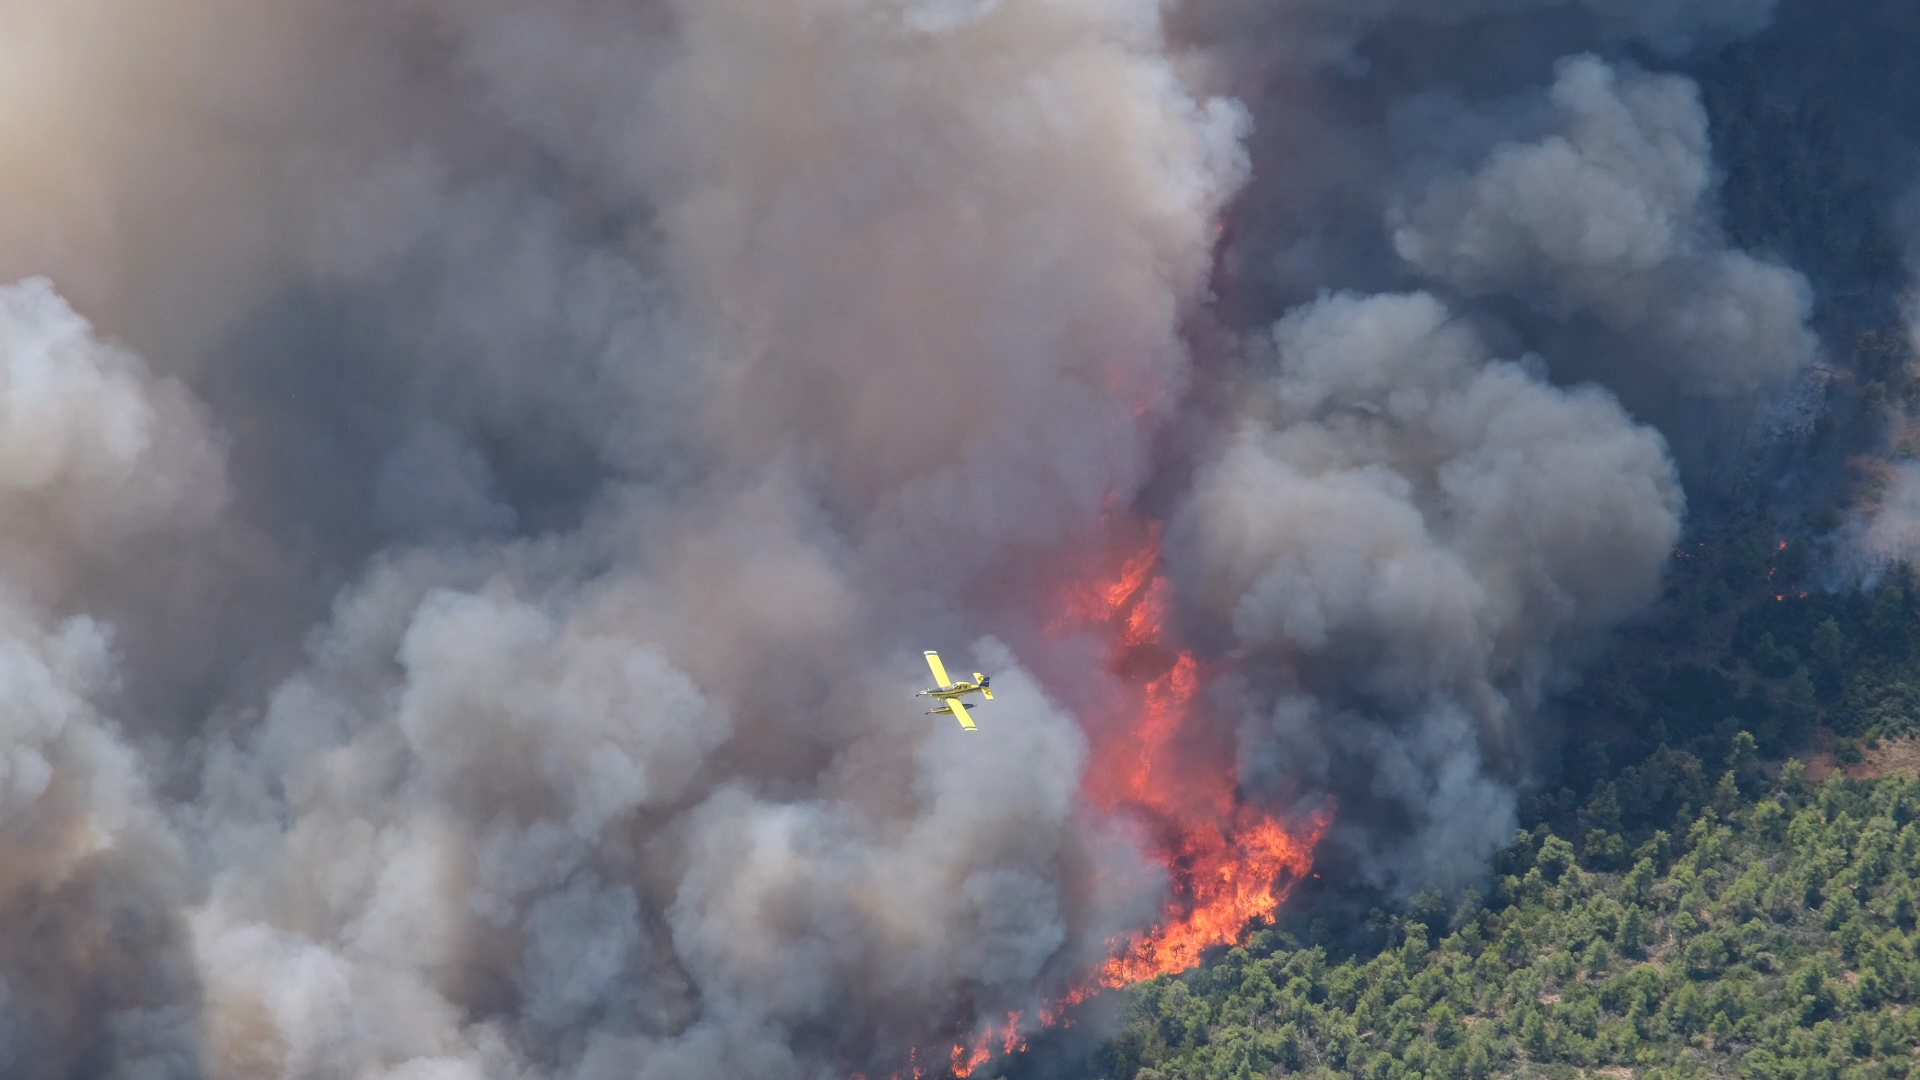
951,692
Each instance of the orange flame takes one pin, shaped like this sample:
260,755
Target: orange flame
1232,863
1006,1040
1244,884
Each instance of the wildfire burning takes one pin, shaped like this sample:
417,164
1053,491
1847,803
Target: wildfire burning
1155,757
1232,863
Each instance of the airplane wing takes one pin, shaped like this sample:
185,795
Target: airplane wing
960,714
939,669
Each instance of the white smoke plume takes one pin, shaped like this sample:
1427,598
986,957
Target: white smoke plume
468,629
99,457
1886,530
94,451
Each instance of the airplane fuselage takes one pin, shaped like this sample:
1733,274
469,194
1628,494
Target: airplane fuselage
954,691
950,692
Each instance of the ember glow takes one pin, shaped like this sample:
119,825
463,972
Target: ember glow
1157,757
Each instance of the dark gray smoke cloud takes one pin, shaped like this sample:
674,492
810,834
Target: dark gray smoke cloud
468,629
1606,212
1408,535
1452,204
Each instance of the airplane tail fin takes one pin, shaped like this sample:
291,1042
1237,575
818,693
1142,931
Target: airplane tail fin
983,680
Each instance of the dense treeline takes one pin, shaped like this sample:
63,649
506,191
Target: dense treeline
1747,641
1770,937
1677,905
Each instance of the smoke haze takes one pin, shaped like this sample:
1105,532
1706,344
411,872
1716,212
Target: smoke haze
475,480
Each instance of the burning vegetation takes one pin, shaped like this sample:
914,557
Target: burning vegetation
1158,757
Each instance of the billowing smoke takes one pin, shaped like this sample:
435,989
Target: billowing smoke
1494,319
469,627
102,459
1409,534
97,452
1605,213
631,394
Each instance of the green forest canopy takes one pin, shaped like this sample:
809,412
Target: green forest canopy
1677,907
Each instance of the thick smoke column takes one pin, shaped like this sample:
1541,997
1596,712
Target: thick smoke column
476,637
636,391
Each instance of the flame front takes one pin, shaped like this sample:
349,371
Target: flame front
1155,757
1237,878
1232,863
